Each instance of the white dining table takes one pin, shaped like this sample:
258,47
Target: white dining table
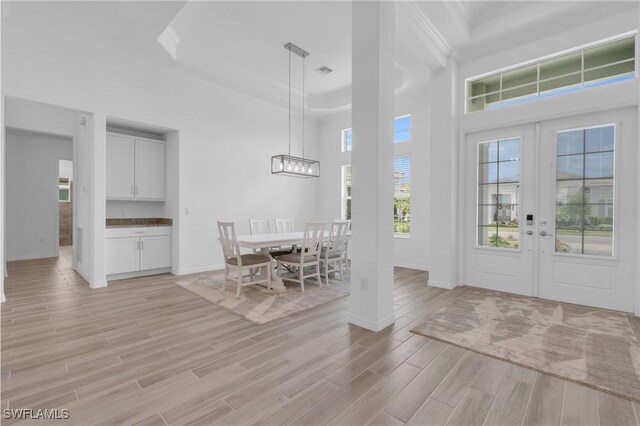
263,242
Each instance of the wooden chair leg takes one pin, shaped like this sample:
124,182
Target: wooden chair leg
326,272
301,277
269,277
226,278
239,283
318,273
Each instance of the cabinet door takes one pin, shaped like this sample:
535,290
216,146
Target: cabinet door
150,170
122,255
155,252
120,167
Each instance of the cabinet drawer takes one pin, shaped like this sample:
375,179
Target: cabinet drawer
142,231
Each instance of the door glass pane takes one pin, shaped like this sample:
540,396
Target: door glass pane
499,193
599,139
599,165
571,142
570,167
487,173
509,171
584,191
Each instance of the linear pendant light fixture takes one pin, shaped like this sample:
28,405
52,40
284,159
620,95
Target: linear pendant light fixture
286,164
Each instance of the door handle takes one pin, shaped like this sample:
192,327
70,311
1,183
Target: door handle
544,234
529,232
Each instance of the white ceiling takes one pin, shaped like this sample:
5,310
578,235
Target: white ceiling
238,44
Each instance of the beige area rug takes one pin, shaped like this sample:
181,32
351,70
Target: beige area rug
260,305
591,346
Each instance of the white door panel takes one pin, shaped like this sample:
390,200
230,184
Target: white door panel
499,252
590,253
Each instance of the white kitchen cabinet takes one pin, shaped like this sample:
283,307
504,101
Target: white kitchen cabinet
123,255
138,249
155,252
120,167
136,168
149,170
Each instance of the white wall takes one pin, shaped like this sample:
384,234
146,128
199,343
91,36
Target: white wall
226,140
32,193
410,252
116,209
66,169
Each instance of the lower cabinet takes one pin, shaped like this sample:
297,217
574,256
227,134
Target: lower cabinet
155,252
123,255
137,249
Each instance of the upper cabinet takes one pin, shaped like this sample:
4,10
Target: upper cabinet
136,168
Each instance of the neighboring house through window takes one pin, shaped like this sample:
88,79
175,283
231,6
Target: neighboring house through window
401,178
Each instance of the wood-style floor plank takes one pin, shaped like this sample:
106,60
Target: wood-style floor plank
145,351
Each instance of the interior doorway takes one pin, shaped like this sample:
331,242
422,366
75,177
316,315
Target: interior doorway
65,204
33,192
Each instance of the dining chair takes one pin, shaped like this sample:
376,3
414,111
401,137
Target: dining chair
235,261
334,249
284,225
308,256
263,226
259,226
345,257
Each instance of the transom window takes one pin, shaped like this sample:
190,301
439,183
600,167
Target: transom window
584,191
604,63
499,193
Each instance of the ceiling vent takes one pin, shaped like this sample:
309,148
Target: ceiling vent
324,70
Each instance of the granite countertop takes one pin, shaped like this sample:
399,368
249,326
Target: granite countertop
138,222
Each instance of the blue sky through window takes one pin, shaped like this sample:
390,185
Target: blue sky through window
401,132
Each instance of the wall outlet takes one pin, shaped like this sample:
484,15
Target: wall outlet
364,283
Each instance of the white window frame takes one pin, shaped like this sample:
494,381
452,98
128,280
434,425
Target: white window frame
542,60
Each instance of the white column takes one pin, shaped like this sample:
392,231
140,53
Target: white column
443,177
372,164
98,207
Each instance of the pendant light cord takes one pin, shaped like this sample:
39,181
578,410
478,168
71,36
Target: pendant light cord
303,81
289,103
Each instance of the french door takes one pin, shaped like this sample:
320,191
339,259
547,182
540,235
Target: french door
551,210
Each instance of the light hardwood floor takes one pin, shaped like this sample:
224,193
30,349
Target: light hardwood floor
145,351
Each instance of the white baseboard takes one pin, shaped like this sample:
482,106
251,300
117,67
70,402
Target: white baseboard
371,325
198,270
137,274
98,284
442,284
410,265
